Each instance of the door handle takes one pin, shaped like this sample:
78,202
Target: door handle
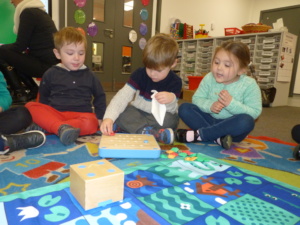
109,33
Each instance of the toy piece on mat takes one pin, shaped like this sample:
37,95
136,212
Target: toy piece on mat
129,146
96,183
188,155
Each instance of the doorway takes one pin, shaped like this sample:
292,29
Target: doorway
116,31
291,18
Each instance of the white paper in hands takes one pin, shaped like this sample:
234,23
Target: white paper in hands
158,110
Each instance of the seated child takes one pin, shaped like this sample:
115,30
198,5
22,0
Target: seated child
69,91
227,101
12,121
296,133
130,109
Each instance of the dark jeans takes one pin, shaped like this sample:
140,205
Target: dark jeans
210,129
28,65
14,120
133,120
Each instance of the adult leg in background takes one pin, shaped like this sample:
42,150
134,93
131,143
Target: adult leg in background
24,64
210,129
14,82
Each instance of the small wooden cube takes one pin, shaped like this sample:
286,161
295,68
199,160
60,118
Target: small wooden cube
96,183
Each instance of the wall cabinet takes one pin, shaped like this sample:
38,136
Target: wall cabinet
272,53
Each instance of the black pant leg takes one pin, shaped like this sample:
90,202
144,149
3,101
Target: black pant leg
14,120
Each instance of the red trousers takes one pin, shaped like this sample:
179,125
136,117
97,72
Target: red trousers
50,119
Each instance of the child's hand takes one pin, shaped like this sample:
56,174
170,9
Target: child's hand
106,127
217,107
225,98
164,97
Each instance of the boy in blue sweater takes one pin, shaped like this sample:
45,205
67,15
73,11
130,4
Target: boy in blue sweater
130,109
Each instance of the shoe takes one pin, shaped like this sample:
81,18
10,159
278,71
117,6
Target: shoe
19,97
165,136
68,134
29,139
225,142
31,95
181,135
117,129
34,126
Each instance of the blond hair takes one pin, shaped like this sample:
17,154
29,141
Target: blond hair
67,36
160,52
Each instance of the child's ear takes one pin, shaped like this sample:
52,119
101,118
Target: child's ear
174,64
56,53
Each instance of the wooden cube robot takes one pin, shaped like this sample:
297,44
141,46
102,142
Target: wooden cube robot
129,146
96,183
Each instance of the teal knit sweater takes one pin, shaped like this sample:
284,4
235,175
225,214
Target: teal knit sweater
5,98
246,97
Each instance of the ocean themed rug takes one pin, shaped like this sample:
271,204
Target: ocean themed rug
169,192
268,156
49,164
260,151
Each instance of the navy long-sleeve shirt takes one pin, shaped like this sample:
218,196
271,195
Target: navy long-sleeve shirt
76,91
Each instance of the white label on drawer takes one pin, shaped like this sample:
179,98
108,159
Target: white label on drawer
269,40
268,46
265,67
269,53
189,65
246,41
266,60
261,73
263,80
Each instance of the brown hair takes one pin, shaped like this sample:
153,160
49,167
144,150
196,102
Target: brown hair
161,51
67,36
238,49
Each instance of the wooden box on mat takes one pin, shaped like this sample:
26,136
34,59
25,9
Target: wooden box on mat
96,183
129,146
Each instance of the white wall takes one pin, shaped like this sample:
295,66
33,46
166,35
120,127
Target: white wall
55,13
223,14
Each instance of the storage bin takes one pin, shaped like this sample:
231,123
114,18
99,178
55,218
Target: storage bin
232,31
248,40
191,46
206,43
194,82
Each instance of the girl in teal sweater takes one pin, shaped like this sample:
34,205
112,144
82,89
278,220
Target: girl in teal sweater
227,101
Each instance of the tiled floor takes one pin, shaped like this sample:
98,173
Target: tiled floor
294,101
